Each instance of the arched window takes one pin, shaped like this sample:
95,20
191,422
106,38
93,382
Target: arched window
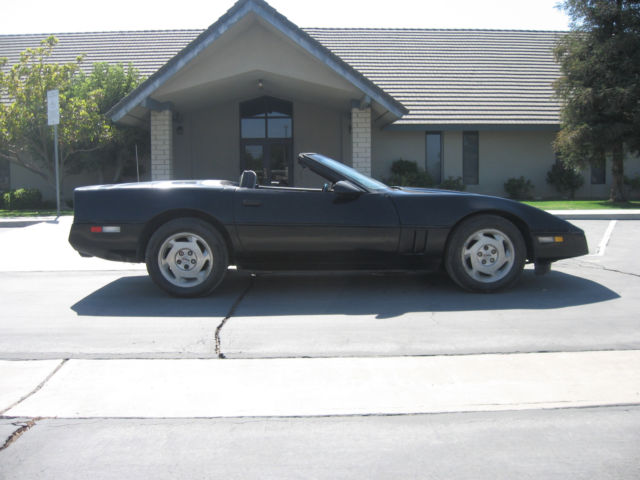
266,139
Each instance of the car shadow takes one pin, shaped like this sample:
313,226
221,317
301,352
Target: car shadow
382,295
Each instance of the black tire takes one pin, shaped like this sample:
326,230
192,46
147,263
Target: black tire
187,257
485,253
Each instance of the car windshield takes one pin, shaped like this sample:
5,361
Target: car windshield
349,173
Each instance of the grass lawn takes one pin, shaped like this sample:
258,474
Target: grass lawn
32,213
582,205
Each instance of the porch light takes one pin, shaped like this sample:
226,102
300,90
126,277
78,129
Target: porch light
260,84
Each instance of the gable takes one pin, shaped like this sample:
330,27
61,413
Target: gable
243,11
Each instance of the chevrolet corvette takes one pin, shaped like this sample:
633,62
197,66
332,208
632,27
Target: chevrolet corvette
189,232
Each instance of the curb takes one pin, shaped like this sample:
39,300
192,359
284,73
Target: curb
17,222
596,214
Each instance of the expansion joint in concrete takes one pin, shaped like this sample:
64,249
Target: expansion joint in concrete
37,389
229,315
607,269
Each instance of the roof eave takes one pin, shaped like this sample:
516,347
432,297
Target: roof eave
474,126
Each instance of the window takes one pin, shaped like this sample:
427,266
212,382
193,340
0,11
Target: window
470,158
599,173
434,156
266,117
5,175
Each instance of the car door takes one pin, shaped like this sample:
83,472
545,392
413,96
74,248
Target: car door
296,228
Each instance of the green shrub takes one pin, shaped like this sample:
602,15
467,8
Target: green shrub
519,188
633,182
406,173
565,180
453,184
1,200
23,199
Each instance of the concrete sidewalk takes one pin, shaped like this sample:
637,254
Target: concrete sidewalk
317,387
43,245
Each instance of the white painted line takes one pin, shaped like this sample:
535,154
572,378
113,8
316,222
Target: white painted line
605,239
335,386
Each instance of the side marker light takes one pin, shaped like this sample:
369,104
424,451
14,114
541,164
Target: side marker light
556,239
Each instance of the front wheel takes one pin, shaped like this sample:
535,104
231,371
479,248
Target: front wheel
187,257
485,253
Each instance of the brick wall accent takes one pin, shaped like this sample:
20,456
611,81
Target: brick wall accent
361,139
162,145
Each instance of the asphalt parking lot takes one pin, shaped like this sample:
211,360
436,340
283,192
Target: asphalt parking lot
324,375
588,303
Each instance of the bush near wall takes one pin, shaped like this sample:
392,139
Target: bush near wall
22,199
451,183
519,188
633,184
565,180
405,173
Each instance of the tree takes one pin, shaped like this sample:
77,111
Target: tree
112,82
86,136
600,85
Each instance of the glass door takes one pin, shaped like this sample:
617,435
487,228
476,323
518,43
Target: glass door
266,140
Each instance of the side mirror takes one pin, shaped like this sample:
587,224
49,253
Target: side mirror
346,189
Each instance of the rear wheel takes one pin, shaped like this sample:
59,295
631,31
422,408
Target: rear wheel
485,253
187,257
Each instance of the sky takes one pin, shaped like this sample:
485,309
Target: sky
57,16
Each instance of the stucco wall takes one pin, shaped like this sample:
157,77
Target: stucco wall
390,146
503,155
320,130
23,178
208,146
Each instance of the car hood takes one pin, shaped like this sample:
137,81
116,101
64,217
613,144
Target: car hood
447,207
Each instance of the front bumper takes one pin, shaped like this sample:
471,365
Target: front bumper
573,244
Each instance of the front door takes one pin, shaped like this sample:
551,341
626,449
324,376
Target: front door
266,140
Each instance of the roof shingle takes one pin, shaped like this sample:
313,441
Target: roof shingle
444,77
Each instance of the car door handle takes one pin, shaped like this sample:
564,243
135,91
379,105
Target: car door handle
251,203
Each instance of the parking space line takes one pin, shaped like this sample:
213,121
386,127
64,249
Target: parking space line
602,246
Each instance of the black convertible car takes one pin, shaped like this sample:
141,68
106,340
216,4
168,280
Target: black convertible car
189,232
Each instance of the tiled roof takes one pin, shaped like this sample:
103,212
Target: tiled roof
146,50
456,76
481,77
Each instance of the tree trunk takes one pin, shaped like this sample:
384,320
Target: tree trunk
617,170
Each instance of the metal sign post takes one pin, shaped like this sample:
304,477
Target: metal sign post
53,118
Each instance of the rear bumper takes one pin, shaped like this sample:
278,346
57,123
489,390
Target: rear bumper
122,246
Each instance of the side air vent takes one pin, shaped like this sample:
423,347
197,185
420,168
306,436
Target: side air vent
413,241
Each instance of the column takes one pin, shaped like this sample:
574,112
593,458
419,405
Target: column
361,139
161,145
